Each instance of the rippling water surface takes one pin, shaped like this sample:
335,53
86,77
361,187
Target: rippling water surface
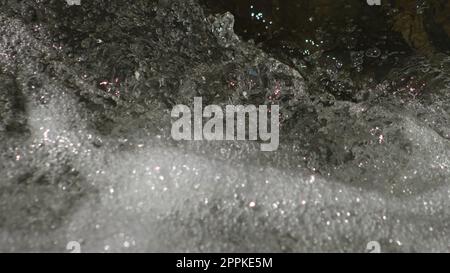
86,153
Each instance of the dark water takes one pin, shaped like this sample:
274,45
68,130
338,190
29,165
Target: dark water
349,24
317,33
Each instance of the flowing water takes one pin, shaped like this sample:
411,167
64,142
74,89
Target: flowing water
86,153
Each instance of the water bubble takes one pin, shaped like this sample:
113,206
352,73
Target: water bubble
373,52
